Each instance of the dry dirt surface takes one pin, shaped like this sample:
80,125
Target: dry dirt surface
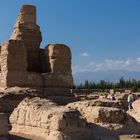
127,137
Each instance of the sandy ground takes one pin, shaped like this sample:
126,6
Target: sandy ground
128,137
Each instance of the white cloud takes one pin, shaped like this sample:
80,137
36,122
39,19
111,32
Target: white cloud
92,63
138,60
110,64
84,54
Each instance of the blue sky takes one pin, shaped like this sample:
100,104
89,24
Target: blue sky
102,34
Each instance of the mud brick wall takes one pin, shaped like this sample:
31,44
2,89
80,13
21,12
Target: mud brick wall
13,63
24,63
59,57
27,30
58,80
35,80
59,62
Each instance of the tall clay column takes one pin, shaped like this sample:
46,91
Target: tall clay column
28,31
59,65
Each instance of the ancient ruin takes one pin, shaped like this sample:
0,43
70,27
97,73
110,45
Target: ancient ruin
23,63
36,99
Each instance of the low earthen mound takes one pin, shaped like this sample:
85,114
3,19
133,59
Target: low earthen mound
11,97
99,111
41,117
106,116
98,102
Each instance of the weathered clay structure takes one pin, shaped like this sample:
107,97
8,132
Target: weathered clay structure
37,103
23,63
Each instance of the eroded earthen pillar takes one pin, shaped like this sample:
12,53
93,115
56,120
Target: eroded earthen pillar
13,64
28,31
58,58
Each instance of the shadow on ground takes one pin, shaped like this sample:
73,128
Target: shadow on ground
14,137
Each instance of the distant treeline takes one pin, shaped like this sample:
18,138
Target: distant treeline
131,84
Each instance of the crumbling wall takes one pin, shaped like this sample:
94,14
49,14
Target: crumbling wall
40,117
58,58
58,80
23,63
27,30
13,64
34,79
